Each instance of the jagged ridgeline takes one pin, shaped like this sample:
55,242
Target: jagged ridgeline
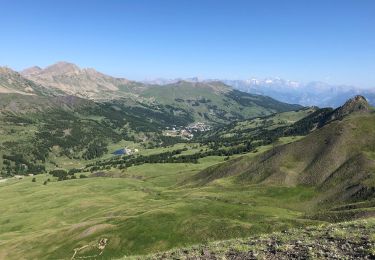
66,111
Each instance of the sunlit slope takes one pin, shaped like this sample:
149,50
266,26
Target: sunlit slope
338,158
140,212
349,240
215,101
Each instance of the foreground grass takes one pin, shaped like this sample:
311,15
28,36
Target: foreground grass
350,240
145,211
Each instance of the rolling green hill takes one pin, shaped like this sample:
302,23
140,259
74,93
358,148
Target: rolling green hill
245,129
215,102
338,159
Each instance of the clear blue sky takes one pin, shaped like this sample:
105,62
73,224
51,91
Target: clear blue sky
304,40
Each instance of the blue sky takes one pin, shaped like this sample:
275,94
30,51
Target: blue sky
303,40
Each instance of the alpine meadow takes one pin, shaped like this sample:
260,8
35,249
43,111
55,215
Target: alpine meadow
139,158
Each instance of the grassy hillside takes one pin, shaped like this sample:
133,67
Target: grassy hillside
215,101
245,129
350,240
149,208
338,159
139,210
21,105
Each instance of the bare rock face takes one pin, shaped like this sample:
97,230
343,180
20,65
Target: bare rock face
31,71
355,104
72,80
358,103
12,82
60,68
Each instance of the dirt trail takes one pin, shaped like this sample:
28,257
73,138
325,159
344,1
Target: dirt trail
100,245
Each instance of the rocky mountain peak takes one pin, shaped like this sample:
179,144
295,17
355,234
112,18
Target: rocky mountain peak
70,79
355,104
61,68
31,71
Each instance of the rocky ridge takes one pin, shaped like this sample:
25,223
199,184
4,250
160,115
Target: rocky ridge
73,80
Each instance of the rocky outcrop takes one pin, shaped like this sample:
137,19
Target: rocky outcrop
355,104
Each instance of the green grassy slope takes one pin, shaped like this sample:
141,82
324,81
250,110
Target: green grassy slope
140,211
245,129
350,240
338,159
18,104
215,101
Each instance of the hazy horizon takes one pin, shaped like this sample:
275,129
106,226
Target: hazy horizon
153,79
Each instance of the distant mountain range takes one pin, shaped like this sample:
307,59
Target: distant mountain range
212,101
64,78
293,92
70,79
313,93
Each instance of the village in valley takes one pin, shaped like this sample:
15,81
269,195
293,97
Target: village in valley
186,132
183,132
